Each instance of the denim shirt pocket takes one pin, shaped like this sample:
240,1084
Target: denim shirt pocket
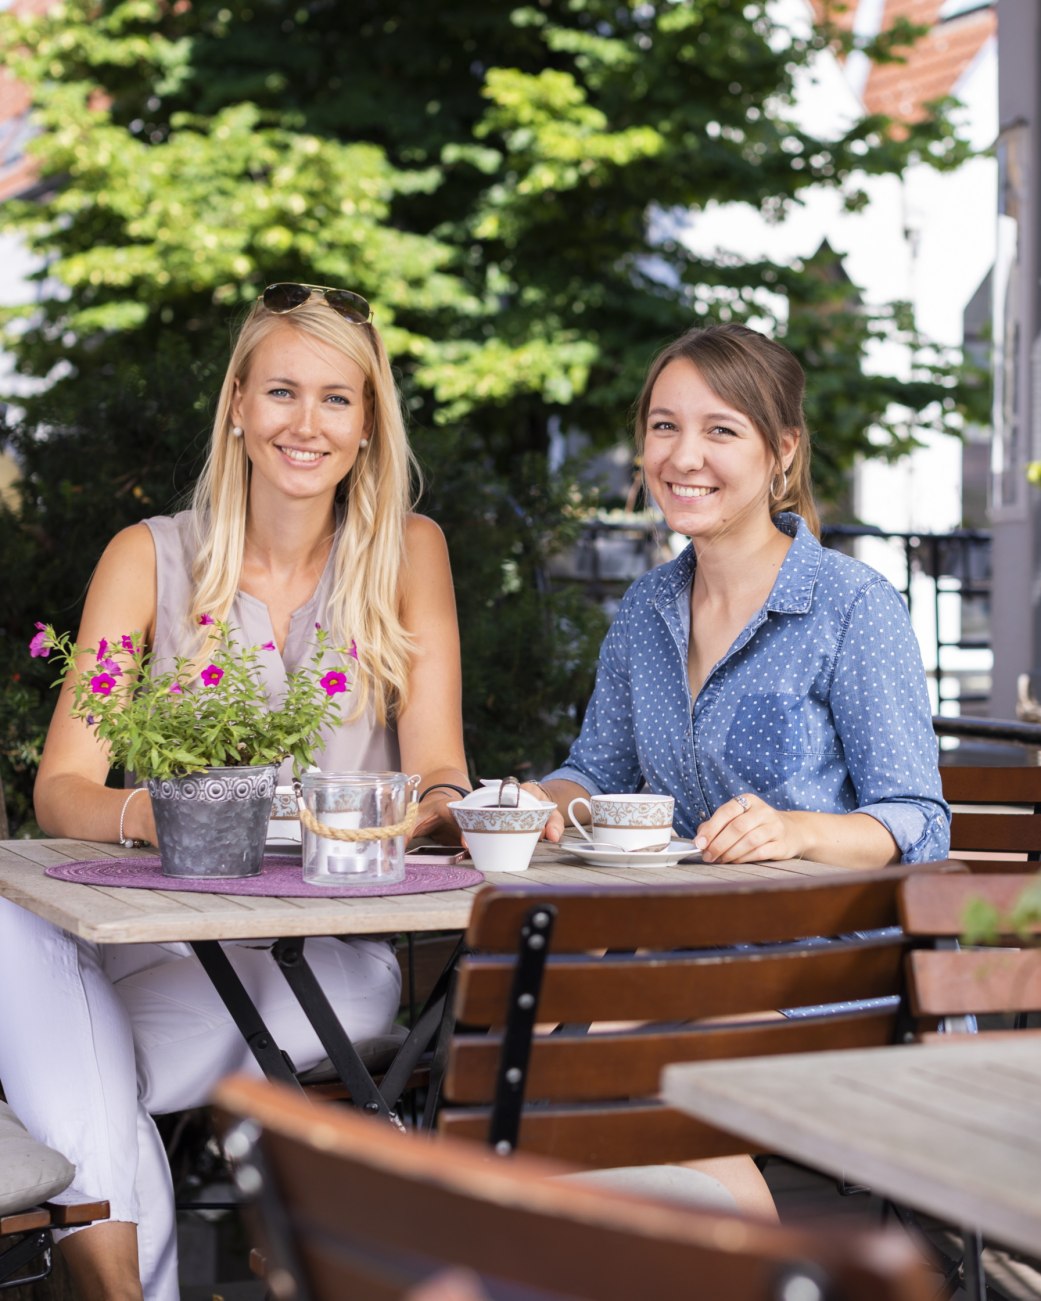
770,739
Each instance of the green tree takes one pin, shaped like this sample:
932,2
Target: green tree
506,184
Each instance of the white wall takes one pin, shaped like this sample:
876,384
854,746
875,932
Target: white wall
927,239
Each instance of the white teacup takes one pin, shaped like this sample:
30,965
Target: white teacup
626,821
284,826
501,839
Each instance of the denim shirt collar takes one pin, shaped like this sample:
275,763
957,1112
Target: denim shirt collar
792,592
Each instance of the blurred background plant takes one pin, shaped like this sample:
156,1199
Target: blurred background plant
984,923
508,185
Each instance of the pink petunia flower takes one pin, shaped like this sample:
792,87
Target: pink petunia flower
176,689
268,645
205,619
127,642
353,649
38,646
102,649
102,683
110,666
211,675
334,682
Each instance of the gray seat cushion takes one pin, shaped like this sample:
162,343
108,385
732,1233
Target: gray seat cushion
30,1172
376,1055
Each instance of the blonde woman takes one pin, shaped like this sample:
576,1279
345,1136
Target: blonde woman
301,517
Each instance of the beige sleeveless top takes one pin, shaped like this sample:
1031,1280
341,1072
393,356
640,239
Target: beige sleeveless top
359,745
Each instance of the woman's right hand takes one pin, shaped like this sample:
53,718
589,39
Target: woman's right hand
554,827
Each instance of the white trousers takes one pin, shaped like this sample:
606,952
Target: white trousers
96,1039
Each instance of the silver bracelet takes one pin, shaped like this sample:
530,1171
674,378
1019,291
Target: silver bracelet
128,842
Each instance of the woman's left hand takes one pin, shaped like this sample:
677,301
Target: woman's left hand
435,821
746,829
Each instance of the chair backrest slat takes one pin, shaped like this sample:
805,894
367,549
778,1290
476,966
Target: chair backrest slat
638,1133
937,906
705,915
991,784
598,1067
999,833
1010,824
686,986
979,982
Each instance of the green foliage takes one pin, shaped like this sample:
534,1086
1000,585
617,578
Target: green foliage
983,923
528,650
171,722
509,185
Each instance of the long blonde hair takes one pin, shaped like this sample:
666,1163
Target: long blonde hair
378,492
765,382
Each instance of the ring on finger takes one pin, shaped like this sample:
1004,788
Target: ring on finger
743,801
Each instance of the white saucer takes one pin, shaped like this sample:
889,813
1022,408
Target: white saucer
609,856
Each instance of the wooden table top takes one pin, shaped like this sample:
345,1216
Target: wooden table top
122,915
952,1129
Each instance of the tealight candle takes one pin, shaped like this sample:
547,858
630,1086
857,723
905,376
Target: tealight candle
337,857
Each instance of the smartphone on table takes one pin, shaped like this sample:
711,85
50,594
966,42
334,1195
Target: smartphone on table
438,853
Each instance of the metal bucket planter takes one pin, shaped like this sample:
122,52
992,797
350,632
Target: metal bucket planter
213,823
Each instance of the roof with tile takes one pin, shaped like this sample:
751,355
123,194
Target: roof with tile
900,90
933,66
17,172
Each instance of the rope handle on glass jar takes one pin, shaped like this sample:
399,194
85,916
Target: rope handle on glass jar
351,834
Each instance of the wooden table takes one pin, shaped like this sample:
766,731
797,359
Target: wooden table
124,915
953,1129
117,915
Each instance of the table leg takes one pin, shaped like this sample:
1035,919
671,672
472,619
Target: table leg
289,954
272,1060
973,1277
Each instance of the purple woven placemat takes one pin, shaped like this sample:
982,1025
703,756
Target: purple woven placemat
280,876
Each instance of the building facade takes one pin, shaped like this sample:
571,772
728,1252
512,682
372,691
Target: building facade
1015,505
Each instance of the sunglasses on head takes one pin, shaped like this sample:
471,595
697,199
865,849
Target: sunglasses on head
286,296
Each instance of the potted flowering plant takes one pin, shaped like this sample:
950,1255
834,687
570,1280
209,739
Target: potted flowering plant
207,739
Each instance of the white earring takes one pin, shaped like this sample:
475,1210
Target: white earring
364,443
236,431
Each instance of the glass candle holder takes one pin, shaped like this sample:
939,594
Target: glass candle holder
354,801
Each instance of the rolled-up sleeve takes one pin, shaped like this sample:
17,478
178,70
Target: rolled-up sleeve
883,718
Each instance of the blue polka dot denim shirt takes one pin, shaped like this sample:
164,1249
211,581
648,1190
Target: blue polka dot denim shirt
820,703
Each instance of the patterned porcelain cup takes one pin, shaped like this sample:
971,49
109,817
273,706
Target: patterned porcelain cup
626,821
501,840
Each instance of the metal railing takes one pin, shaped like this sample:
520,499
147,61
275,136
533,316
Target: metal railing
989,729
958,565
617,547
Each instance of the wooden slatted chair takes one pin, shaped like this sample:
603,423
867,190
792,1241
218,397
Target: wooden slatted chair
950,987
523,1073
26,1243
948,981
996,820
351,1208
30,1174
